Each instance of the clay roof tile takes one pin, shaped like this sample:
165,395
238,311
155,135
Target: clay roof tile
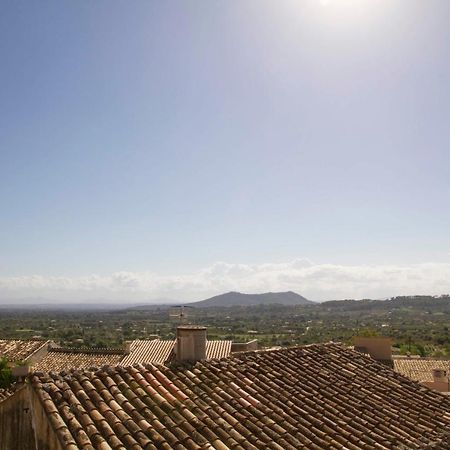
314,397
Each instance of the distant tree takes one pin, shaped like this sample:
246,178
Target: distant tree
368,332
412,349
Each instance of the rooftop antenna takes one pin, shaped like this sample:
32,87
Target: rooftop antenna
179,313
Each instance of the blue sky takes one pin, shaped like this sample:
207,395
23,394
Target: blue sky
158,139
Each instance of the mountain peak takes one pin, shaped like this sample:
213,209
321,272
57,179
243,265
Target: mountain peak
234,298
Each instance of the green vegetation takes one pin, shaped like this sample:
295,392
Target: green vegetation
5,374
419,325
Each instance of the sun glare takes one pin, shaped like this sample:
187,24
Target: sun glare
350,10
344,3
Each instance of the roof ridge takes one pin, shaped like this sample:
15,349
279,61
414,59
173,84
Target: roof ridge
88,350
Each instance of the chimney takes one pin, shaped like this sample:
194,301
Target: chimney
379,348
20,371
191,343
127,347
439,375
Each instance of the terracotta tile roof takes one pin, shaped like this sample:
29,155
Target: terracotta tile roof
5,393
153,351
315,397
218,349
420,369
11,390
159,352
141,351
19,350
62,359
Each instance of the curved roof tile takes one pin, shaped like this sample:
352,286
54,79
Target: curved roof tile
313,397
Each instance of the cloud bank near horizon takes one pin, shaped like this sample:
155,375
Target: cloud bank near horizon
314,281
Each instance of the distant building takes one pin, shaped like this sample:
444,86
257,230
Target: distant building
18,350
57,359
431,372
47,356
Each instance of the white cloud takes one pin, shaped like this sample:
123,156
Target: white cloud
314,281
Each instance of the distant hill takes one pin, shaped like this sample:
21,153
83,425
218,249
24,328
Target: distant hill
413,302
238,299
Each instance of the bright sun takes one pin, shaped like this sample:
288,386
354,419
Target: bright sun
342,2
351,6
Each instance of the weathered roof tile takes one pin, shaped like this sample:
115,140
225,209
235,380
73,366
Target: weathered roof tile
158,351
65,359
20,350
313,397
420,369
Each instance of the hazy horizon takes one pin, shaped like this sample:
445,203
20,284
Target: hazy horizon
317,282
185,149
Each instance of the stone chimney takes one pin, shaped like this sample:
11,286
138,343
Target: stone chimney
127,347
191,343
379,348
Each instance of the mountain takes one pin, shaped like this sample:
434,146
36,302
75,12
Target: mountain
238,299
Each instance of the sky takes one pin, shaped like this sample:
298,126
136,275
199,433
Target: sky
179,149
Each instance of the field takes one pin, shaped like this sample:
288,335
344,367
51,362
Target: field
419,325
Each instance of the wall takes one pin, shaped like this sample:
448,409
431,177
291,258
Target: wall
441,386
16,432
244,346
23,423
46,438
